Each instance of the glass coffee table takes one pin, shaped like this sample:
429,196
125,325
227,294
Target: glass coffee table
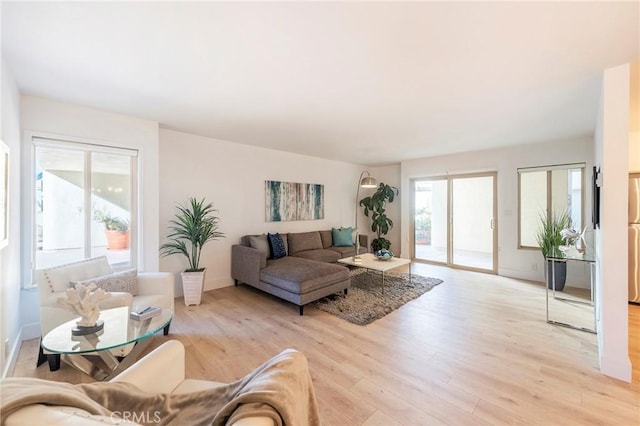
91,353
371,262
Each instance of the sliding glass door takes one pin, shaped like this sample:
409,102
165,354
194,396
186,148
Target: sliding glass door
473,222
430,219
454,221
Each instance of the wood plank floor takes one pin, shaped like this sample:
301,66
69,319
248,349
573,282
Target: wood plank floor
475,350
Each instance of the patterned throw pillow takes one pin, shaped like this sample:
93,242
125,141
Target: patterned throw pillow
277,246
126,281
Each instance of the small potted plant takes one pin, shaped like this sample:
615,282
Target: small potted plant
380,222
116,229
550,239
193,227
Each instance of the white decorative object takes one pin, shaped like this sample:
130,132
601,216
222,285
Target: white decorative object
570,251
575,238
84,301
192,283
383,254
581,243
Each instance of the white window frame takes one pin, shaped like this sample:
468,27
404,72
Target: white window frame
28,200
549,197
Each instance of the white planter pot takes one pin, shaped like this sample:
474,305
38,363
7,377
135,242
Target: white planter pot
192,283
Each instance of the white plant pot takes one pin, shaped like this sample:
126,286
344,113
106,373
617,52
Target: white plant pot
192,283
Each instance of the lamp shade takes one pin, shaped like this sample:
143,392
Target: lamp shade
368,182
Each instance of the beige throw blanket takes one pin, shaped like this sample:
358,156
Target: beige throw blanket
281,389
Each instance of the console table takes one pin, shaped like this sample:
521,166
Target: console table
91,353
589,259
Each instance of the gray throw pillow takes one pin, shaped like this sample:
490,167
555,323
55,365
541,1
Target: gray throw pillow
260,243
126,281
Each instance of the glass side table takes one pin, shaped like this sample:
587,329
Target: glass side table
566,299
91,353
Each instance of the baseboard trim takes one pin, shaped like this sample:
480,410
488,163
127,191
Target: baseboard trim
13,356
27,332
31,331
218,283
617,368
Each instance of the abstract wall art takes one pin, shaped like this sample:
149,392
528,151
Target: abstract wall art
286,201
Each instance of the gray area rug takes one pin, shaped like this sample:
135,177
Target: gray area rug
365,302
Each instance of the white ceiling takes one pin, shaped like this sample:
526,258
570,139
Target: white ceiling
369,83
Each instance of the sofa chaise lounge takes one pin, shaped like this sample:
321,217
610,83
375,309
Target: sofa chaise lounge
308,272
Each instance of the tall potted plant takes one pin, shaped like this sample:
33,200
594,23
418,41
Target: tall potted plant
193,227
380,222
549,239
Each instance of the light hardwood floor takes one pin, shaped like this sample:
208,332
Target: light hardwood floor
475,350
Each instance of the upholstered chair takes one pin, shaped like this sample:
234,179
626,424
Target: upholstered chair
151,289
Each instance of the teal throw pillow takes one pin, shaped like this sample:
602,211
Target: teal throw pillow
342,237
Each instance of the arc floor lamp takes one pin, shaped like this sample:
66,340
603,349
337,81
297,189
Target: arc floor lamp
364,181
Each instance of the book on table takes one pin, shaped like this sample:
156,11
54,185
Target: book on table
144,313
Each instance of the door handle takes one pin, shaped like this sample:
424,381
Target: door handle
492,223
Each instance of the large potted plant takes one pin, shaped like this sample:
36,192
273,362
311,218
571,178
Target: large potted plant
193,227
550,239
116,229
380,222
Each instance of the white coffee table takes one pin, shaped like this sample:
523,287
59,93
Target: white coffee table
370,262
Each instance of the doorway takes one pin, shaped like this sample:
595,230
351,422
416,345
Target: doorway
454,221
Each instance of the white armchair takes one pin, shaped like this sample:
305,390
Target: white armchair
160,371
154,288
163,371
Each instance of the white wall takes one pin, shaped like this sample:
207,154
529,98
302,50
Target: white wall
10,292
232,177
611,155
43,116
47,118
513,262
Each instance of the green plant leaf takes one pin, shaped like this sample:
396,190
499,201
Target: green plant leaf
548,237
193,226
376,203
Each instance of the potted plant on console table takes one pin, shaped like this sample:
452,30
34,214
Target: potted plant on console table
380,222
550,239
193,227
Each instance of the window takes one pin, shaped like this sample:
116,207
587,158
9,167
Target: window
546,190
84,203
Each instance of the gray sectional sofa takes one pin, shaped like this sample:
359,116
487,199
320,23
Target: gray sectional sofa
308,272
